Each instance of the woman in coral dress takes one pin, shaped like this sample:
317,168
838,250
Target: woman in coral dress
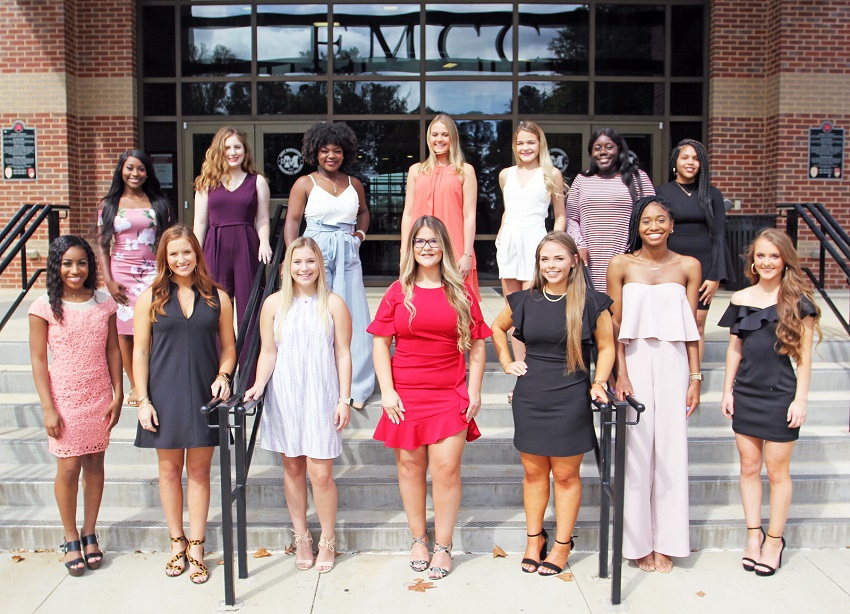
429,405
444,186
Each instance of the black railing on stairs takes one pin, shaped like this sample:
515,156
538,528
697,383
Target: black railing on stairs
233,417
612,433
833,240
13,243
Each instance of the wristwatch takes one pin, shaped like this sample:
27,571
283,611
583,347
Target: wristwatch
696,377
347,401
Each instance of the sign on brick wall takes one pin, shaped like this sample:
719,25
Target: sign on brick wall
19,152
826,152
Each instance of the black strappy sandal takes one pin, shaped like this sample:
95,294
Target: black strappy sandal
767,570
551,566
543,551
746,562
73,546
91,540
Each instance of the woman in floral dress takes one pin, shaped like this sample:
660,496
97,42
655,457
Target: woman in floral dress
130,220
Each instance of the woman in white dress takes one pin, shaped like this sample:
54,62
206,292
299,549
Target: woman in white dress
306,360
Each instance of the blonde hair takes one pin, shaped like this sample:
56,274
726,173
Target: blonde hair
215,160
543,157
456,158
575,299
793,286
287,292
456,293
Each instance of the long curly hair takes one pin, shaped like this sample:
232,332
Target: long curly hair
215,167
161,286
109,204
575,299
635,242
703,178
456,293
321,134
543,157
287,287
456,158
627,166
793,286
55,287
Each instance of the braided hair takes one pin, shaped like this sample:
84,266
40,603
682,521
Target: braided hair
55,287
703,179
635,242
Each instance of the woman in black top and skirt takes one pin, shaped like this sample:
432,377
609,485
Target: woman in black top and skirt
559,319
700,216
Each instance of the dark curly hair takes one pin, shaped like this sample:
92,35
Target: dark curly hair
152,189
55,287
635,242
330,134
627,165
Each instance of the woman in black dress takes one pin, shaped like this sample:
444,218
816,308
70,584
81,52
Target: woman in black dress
559,318
771,322
697,207
178,321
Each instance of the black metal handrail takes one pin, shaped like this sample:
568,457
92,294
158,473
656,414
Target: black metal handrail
233,417
833,240
13,243
612,417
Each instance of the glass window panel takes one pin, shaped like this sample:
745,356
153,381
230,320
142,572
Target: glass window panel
687,28
160,98
562,98
216,98
292,97
158,41
283,162
459,97
374,39
640,143
469,39
379,98
686,99
685,130
614,98
629,39
161,145
292,39
216,40
554,39
566,151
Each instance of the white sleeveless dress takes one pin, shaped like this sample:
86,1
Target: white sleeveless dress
526,208
302,394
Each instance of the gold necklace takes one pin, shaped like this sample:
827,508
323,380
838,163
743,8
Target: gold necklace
681,187
328,180
553,300
138,200
649,262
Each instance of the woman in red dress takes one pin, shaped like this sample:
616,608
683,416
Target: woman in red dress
429,407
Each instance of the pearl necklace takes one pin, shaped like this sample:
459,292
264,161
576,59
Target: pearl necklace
552,300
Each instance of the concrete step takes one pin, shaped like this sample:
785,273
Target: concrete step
478,530
376,487
24,446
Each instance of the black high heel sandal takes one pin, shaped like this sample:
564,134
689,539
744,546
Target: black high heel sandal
73,546
768,570
91,540
551,566
543,552
747,563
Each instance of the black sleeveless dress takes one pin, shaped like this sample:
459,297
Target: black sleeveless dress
766,383
552,415
183,364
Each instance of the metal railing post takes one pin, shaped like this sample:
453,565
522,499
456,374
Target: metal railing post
241,504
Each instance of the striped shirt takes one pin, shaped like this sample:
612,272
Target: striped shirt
598,212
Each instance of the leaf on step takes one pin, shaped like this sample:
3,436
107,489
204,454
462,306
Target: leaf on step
220,562
566,576
420,586
700,594
498,552
39,550
290,549
262,553
18,558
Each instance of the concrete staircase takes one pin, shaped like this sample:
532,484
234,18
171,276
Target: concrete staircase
370,514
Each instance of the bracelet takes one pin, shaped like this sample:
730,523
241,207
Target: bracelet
225,376
361,233
599,382
468,255
696,377
145,401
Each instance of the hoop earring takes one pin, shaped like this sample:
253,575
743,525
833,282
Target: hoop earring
753,269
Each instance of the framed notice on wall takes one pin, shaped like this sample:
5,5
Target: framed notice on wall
826,152
19,152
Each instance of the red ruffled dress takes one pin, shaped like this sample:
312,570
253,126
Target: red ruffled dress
429,373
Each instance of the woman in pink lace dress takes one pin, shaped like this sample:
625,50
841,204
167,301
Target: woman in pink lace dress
81,395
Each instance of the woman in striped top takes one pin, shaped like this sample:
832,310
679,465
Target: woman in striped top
600,202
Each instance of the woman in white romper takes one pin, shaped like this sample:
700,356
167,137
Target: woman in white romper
337,218
528,188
